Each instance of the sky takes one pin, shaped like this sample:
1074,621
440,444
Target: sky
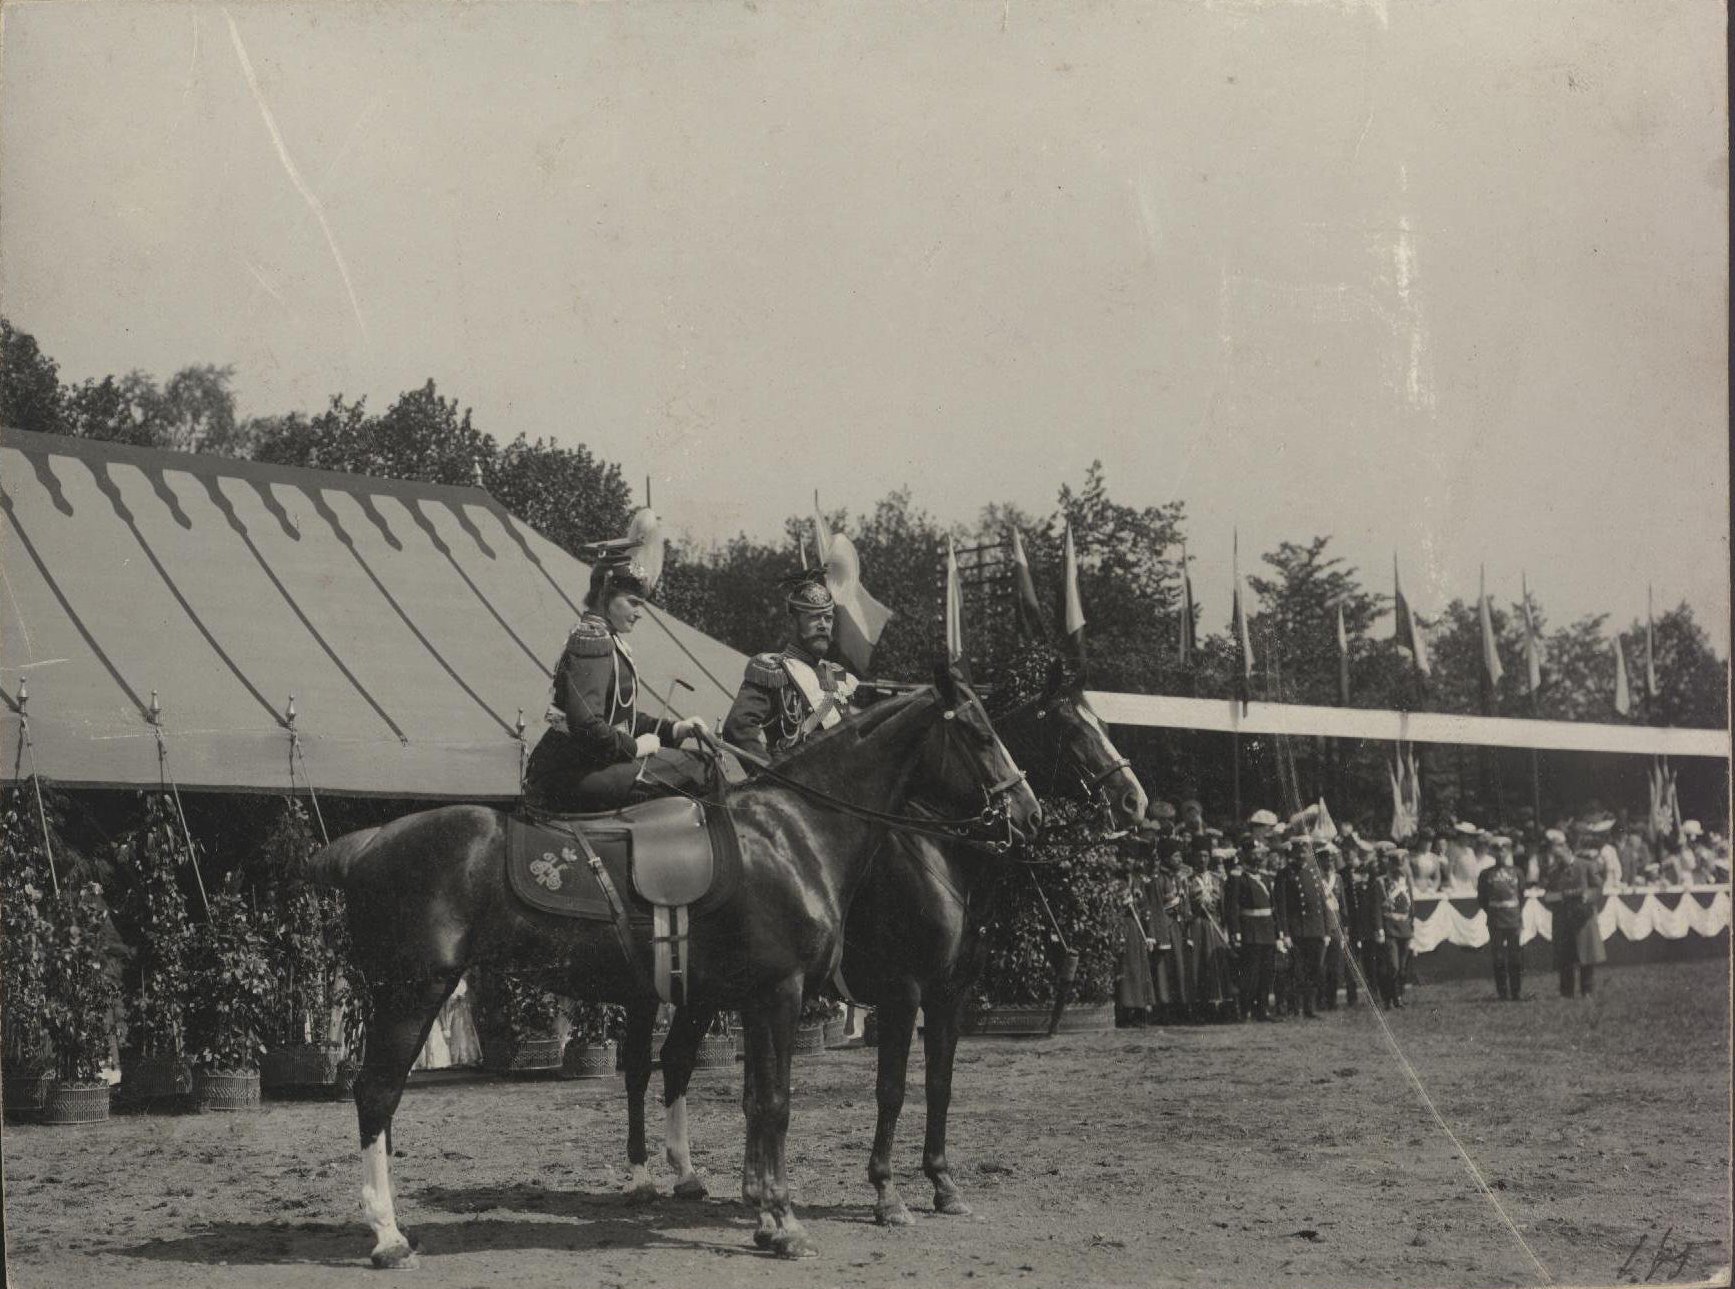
1442,280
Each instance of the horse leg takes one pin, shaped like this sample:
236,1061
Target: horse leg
897,1023
940,1041
636,1057
771,1037
401,1017
680,1052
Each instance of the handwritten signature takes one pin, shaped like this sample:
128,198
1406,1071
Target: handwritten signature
1667,1261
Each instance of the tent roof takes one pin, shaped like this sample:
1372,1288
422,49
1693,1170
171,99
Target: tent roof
412,623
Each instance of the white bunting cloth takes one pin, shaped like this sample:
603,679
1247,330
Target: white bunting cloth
1633,915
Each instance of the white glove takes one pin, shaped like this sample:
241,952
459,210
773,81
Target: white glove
690,728
646,744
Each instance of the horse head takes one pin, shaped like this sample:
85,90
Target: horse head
1053,727
964,767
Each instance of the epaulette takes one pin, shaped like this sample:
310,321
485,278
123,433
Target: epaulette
767,669
590,639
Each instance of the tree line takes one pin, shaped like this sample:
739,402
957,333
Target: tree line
1130,578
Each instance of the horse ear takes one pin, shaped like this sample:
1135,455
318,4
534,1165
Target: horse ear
946,682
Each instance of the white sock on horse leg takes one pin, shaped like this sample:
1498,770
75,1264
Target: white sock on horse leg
641,1179
677,1149
376,1195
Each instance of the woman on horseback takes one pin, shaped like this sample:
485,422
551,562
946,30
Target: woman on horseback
600,752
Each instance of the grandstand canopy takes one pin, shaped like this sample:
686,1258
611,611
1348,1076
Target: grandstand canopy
411,622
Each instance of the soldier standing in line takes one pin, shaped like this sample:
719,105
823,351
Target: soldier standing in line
1253,932
1398,923
1302,919
1500,893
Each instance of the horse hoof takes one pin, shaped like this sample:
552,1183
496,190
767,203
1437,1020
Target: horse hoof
764,1236
951,1205
793,1244
641,1195
690,1188
391,1257
896,1214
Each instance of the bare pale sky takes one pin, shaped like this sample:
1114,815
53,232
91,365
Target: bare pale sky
1449,279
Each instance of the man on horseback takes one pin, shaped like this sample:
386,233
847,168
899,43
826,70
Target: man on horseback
787,696
600,752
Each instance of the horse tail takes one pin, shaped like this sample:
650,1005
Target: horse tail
332,865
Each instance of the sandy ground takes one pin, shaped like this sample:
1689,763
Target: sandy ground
1243,1155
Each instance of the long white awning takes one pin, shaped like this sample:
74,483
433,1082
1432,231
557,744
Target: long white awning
1171,712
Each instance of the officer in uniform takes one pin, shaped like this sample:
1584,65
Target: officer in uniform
786,697
1253,932
1302,917
1500,893
600,752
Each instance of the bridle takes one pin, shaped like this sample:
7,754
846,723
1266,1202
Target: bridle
1091,784
990,828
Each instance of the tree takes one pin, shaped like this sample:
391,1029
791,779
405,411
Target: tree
566,494
30,393
1692,683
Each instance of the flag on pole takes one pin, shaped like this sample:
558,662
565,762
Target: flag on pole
1650,648
1189,642
1623,693
954,607
1238,615
1342,659
1071,607
1490,647
860,618
801,540
821,534
1025,604
1408,627
1532,646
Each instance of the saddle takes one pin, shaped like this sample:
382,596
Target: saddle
676,859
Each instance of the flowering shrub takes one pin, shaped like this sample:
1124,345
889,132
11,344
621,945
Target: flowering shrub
303,928
26,933
514,1005
595,1023
231,986
1083,887
82,991
154,912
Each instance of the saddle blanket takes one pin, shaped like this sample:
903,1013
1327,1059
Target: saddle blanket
668,852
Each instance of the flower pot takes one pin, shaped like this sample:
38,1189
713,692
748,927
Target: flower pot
532,1054
154,1082
223,1090
66,1103
809,1039
300,1068
1087,1018
25,1085
716,1051
836,1032
588,1060
1026,1020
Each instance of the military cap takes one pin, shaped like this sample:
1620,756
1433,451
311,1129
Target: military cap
1263,819
1555,835
1692,828
1465,827
1160,810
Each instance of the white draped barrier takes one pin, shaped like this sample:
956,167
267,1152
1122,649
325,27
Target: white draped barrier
1633,915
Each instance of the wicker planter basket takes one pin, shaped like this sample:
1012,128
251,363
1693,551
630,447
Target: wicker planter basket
836,1033
24,1088
68,1103
716,1051
224,1090
588,1060
300,1069
809,1040
154,1082
1032,1020
541,1054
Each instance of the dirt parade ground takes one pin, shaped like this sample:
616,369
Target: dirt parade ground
1240,1155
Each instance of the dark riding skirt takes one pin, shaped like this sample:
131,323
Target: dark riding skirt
1213,966
1135,987
561,781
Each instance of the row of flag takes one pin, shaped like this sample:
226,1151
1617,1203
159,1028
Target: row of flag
861,618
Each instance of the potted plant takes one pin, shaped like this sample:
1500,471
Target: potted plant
82,995
155,1069
810,1030
26,937
590,1046
516,1022
301,926
230,984
717,1047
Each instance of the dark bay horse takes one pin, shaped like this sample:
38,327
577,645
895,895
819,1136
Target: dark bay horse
427,898
913,940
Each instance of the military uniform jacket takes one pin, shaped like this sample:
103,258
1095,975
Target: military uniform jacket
1251,909
595,708
1398,911
1366,906
1500,893
786,697
1301,893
